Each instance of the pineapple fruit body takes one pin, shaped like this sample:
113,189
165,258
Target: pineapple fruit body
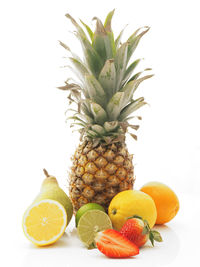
99,173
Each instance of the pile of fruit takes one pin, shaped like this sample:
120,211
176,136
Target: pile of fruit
109,214
118,234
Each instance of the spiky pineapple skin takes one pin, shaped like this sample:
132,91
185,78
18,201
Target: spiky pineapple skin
99,173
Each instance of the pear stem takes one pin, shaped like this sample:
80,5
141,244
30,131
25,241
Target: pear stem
46,173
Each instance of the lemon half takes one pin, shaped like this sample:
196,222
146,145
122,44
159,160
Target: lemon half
44,222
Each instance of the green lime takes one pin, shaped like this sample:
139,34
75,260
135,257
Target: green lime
90,223
86,207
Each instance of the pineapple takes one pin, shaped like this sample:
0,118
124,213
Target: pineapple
104,99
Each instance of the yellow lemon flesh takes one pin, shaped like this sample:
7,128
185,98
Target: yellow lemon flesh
131,202
45,222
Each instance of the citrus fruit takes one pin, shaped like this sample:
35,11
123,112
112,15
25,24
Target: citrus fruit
44,222
86,207
129,203
167,203
91,222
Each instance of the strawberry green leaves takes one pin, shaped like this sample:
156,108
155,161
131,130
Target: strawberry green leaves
154,235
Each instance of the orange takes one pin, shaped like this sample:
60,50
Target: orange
167,203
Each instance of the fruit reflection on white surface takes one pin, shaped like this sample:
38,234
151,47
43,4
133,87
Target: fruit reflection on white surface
70,251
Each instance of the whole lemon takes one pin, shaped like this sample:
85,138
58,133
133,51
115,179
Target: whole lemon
131,202
167,203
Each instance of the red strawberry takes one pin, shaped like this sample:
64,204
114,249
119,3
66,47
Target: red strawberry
138,231
114,245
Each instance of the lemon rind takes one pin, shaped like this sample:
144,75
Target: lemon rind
55,238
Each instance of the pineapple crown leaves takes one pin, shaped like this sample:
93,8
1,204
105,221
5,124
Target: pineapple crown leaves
104,94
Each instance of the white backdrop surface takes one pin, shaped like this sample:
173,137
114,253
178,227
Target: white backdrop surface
34,134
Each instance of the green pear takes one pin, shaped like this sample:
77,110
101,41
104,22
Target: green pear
50,190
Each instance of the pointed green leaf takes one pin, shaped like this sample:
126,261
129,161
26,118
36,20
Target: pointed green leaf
103,41
85,108
156,235
145,230
98,129
118,39
107,77
95,90
80,66
89,31
81,78
130,108
110,126
79,29
130,70
134,40
151,238
69,50
99,113
135,76
99,39
76,123
120,64
76,118
93,60
92,133
110,41
130,88
114,105
138,81
87,102
84,117
80,70
110,46
107,23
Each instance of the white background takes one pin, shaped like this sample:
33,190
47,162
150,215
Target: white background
34,134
